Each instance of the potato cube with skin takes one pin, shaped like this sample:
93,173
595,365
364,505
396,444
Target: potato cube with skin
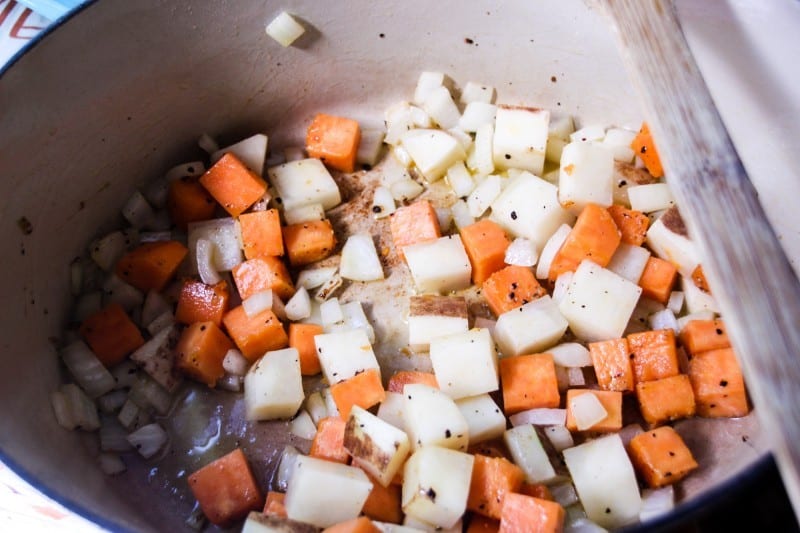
587,169
439,266
343,354
598,303
528,453
433,151
669,240
376,446
436,485
465,364
273,387
531,328
605,481
304,182
431,316
430,417
484,418
528,207
324,493
520,138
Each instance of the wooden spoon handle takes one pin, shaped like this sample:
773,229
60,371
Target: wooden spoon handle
752,280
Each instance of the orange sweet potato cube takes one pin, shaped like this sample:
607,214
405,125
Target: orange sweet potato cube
308,242
660,456
233,185
200,351
151,265
718,384
334,140
632,224
526,513
261,274
658,279
492,479
328,442
704,335
595,236
666,399
255,335
364,390
413,224
611,401
226,489
199,302
275,504
383,503
111,334
483,524
612,364
485,243
261,234
654,355
511,287
401,378
301,337
528,381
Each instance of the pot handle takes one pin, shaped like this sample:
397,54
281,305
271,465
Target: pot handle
52,9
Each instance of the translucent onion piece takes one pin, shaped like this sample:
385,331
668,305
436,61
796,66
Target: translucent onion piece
148,440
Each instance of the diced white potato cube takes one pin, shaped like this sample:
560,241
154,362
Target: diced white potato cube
599,303
651,197
303,425
431,418
521,252
304,213
344,354
587,410
360,261
439,266
481,159
304,182
484,194
251,151
330,403
433,151
520,138
584,525
629,261
460,180
436,485
323,493
382,202
391,409
550,249
477,92
273,387
414,525
299,305
528,453
532,328
405,190
561,126
585,176
285,29
370,146
465,363
375,445
656,502
592,132
529,207
605,481
117,291
431,316
619,141
315,405
562,284
476,114
555,148
426,83
665,237
484,418
226,239
696,299
560,437
570,355
461,215
439,104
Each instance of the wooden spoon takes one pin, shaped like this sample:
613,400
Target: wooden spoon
750,276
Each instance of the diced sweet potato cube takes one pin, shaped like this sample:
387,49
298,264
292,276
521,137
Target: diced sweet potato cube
660,456
255,335
199,302
334,141
654,355
595,236
401,378
301,337
261,234
308,242
704,335
233,185
111,334
658,279
511,287
188,201
485,243
632,224
275,504
261,274
364,390
151,265
525,513
666,399
383,503
718,384
611,401
492,479
528,381
328,442
413,224
612,364
200,352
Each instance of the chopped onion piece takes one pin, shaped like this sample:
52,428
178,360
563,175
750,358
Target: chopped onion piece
521,252
111,464
562,285
131,416
461,136
303,426
550,249
480,158
278,307
426,83
587,411
114,437
156,192
148,440
294,153
575,377
137,211
146,393
156,236
315,405
117,291
360,261
405,190
656,502
299,305
588,133
382,203
619,141
207,144
484,195
564,494
107,250
262,204
330,403
571,354
699,315
461,215
124,374
459,179
285,29
235,363
304,213
331,312
192,169
76,277
286,467
675,302
62,410
354,317
477,92
251,151
664,319
560,437
540,417
225,237
311,278
112,401
87,370
205,262
230,382
154,306
257,302
328,288
161,322
402,156
370,146
80,410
